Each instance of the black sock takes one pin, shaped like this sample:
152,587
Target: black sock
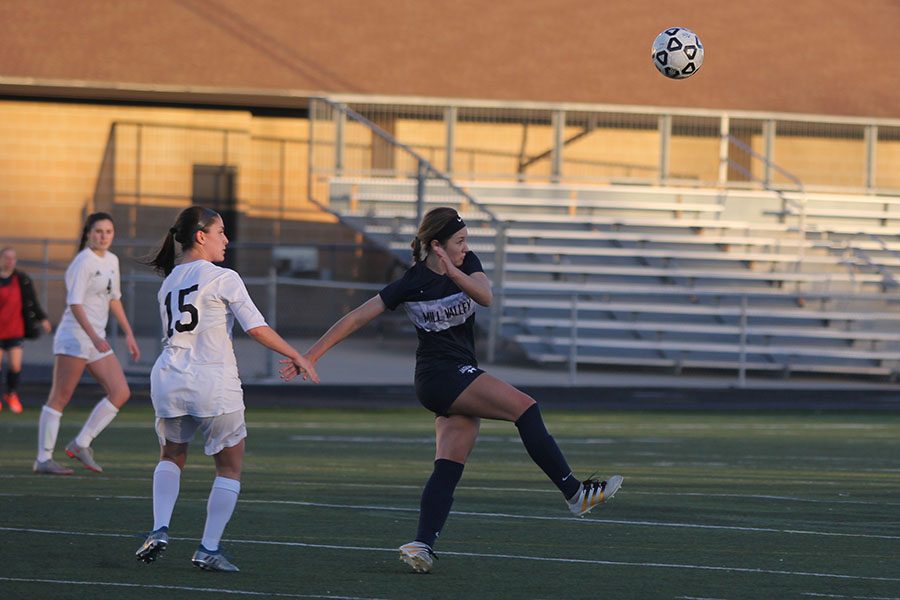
437,497
12,381
545,453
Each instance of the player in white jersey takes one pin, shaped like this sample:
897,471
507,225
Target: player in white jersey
194,384
92,292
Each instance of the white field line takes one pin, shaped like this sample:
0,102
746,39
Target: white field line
491,515
559,421
179,587
819,595
550,490
588,521
582,561
463,487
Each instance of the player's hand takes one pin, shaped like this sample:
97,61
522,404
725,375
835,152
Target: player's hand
45,324
133,349
101,344
298,366
443,257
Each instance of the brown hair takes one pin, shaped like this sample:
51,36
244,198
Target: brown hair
189,222
89,224
433,223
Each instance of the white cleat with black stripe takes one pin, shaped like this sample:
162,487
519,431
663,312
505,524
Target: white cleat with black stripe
594,492
212,560
418,555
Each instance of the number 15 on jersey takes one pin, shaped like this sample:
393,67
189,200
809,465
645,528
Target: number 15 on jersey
183,308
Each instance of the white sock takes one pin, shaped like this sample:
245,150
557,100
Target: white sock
48,429
166,484
222,498
102,415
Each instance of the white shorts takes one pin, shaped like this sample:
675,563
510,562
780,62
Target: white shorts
77,344
223,431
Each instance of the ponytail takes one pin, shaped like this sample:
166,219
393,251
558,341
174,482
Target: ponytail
416,250
164,261
189,222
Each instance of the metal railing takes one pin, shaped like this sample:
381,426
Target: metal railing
744,309
534,141
787,203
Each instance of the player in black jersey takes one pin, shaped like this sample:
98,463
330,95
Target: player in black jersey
439,293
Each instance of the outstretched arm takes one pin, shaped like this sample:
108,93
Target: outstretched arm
345,326
269,338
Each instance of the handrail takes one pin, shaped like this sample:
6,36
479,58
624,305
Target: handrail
785,200
422,161
886,273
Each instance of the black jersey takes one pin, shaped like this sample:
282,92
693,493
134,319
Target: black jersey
443,314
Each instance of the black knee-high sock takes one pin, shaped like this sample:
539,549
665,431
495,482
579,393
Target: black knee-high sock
437,497
12,380
544,452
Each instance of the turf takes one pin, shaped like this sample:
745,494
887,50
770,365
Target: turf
714,505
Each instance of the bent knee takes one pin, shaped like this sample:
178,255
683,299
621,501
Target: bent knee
119,396
523,403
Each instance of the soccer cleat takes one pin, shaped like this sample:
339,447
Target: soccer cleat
594,492
12,399
212,561
85,455
15,405
418,555
155,544
50,467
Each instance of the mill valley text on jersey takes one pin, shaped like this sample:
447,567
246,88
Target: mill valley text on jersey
443,314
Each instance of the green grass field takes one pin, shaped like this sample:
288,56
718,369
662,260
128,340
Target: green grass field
714,505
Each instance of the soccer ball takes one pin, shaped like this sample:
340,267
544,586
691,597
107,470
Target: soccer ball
677,53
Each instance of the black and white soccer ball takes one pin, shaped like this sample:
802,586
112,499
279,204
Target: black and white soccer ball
677,52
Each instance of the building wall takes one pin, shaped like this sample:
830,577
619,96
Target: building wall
60,161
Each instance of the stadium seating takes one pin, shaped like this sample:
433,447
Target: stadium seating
674,278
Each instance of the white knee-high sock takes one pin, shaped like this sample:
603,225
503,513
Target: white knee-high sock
102,415
48,429
222,499
166,484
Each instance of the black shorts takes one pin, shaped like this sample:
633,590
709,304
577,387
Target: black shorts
10,343
438,387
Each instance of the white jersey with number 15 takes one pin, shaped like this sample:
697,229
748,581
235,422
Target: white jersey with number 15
196,373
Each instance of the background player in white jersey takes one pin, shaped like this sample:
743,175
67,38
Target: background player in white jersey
194,384
93,291
439,293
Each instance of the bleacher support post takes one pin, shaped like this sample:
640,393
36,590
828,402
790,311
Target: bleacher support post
450,116
558,121
768,151
724,132
665,138
871,141
421,178
340,120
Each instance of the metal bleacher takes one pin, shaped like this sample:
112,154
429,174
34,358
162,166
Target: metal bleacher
666,277
612,282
